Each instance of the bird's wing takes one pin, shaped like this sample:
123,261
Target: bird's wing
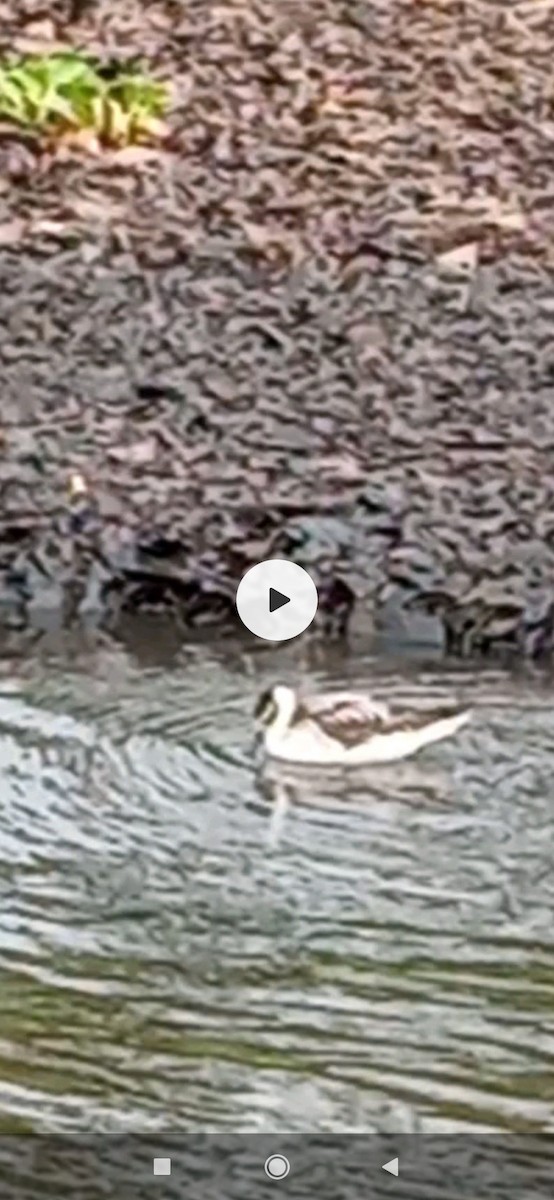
345,718
401,721
351,719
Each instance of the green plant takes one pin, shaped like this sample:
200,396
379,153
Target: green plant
66,91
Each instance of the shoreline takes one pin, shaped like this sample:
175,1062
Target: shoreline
297,329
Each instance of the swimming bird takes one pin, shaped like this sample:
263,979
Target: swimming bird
347,728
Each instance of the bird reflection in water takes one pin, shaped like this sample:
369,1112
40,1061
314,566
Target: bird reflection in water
412,783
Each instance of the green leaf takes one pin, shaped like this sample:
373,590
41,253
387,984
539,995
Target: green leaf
57,106
72,87
12,100
67,70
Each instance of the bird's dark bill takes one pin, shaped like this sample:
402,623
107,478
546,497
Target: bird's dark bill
265,707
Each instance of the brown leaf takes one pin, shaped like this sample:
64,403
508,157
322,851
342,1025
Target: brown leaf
51,228
462,260
12,231
75,139
131,156
138,454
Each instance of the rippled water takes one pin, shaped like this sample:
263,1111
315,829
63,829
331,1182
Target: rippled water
190,941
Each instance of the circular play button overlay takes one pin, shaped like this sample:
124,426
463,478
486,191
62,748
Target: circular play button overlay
276,599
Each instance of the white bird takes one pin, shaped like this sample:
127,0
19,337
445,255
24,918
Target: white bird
348,729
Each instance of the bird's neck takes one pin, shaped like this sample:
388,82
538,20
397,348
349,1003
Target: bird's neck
285,713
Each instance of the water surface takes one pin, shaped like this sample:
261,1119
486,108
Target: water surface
190,942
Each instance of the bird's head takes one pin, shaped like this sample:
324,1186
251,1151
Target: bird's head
275,701
266,707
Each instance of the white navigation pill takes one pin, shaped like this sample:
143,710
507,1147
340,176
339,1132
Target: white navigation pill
277,1166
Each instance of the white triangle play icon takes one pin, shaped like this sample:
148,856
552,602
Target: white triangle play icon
391,1167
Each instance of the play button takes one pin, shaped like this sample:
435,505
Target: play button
276,600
